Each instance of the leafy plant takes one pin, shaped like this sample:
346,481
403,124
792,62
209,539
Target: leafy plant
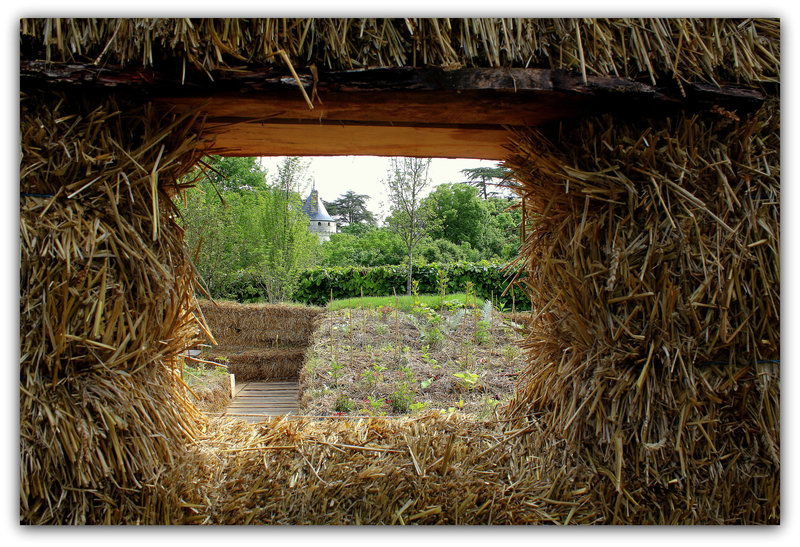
336,369
343,404
425,384
417,407
375,403
467,379
401,399
483,332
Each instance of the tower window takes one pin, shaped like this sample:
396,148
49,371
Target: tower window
319,224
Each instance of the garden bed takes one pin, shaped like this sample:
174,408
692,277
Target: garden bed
387,361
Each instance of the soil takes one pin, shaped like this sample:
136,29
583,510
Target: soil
385,362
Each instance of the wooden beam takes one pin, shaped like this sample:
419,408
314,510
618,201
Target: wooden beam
269,139
425,112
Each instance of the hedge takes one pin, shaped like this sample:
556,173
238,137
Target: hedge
488,278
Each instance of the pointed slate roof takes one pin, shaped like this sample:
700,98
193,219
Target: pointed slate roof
314,208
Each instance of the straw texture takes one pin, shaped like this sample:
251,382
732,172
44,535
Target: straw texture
106,305
713,51
652,247
653,253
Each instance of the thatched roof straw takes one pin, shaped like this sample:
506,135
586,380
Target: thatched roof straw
705,50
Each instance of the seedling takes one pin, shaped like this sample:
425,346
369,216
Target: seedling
467,379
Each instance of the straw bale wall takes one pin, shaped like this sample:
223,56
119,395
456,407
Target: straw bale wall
260,341
652,248
259,325
106,305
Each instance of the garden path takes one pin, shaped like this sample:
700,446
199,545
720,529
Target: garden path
257,401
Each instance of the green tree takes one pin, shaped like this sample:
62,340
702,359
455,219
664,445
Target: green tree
410,217
287,245
500,235
351,208
362,245
233,173
240,223
484,177
461,215
217,217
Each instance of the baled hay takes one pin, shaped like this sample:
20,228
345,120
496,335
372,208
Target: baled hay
106,302
259,325
433,469
252,365
714,51
653,253
211,393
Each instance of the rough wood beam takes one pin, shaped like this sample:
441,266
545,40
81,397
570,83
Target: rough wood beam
342,140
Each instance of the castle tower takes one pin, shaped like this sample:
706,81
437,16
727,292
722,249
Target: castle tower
320,222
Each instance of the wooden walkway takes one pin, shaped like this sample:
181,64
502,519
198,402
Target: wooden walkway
257,401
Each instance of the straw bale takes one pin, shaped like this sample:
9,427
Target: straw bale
714,51
435,469
652,248
106,305
263,364
259,325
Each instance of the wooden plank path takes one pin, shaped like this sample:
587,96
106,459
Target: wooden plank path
256,401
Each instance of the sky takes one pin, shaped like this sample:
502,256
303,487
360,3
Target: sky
335,175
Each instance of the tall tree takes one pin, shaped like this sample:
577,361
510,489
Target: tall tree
351,208
233,173
461,214
482,178
410,218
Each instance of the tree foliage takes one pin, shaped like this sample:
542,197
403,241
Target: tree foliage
243,223
485,177
411,218
350,208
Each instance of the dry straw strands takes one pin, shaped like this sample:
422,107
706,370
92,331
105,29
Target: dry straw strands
653,253
434,469
104,309
237,325
713,51
652,247
264,364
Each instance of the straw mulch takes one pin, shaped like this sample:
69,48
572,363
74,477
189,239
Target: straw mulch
653,249
702,50
106,305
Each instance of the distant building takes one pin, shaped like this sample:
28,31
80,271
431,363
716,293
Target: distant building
319,221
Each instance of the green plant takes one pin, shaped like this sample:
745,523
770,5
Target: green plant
417,407
336,369
483,332
488,404
425,384
467,379
343,404
373,375
375,403
407,373
401,399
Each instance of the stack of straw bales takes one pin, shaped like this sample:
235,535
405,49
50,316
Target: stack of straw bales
261,341
653,248
106,305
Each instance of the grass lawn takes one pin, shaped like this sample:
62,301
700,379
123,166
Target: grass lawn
404,302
